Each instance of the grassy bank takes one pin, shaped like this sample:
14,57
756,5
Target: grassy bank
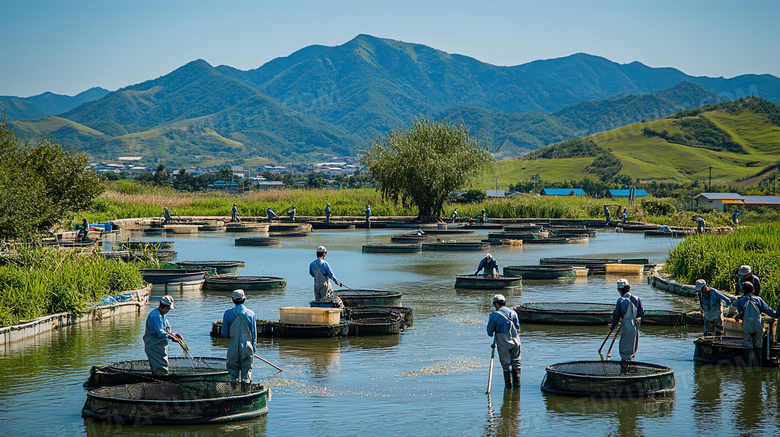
41,281
716,259
149,202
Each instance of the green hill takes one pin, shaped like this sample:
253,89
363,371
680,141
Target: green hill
680,147
323,101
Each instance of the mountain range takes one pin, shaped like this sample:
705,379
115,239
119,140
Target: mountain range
323,101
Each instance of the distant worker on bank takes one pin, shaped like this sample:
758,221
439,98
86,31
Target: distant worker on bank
624,215
291,214
489,264
322,273
239,325
368,214
735,217
628,311
482,216
327,214
701,225
711,304
271,214
83,234
156,335
234,218
166,216
606,213
504,326
454,215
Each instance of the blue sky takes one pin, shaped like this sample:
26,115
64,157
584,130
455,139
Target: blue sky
69,46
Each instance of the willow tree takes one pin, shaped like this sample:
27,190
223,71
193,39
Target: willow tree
41,184
421,166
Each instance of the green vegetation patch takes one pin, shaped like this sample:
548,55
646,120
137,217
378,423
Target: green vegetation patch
716,258
35,282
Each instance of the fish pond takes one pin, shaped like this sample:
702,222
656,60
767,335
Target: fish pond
430,380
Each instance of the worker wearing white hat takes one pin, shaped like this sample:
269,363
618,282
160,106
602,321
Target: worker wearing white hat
322,273
711,303
239,325
489,264
504,325
156,335
628,311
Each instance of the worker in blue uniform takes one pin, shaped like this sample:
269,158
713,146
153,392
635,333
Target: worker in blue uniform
489,264
156,335
322,273
239,325
711,304
628,311
504,326
749,309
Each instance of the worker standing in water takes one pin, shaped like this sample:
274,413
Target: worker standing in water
628,312
504,326
239,325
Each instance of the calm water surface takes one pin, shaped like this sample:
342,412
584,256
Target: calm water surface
429,381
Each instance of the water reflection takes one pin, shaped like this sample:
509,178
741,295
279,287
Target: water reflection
625,416
245,428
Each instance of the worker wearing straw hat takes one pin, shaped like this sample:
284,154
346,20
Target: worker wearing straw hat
322,273
745,274
711,303
628,311
238,324
158,331
504,325
489,264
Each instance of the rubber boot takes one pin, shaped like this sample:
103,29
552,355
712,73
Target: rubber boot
515,377
507,379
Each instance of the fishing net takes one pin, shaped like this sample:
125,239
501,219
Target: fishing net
374,321
714,350
566,313
176,403
568,307
609,378
179,369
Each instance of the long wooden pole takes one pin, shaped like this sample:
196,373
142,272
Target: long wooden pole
605,340
492,357
609,352
269,363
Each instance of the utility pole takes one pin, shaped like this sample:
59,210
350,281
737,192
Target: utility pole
710,188
496,184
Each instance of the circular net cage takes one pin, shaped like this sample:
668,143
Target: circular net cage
569,307
176,403
609,379
717,350
176,365
565,313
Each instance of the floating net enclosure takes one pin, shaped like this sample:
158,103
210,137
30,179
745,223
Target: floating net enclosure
609,379
722,350
179,369
168,403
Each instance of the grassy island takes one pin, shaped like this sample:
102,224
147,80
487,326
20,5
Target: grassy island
716,259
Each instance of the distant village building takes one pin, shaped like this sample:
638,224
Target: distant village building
223,185
563,192
722,200
269,185
626,193
278,169
237,170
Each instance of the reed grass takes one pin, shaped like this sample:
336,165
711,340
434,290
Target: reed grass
716,258
116,204
38,281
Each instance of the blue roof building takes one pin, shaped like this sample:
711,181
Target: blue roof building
626,192
563,192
